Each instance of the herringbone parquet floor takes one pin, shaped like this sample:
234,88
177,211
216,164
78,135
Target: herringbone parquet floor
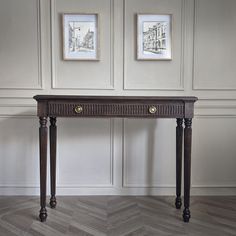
115,215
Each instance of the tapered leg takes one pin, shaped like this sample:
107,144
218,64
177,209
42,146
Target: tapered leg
53,147
43,132
187,167
179,143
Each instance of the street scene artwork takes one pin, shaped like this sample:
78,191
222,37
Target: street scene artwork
154,37
80,37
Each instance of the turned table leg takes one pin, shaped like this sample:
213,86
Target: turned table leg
187,167
43,132
179,143
53,147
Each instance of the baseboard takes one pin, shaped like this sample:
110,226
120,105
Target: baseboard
162,191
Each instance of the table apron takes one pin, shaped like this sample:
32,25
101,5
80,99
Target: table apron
150,110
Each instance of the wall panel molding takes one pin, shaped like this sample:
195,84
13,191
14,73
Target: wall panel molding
38,4
196,34
214,109
181,87
213,150
60,184
54,83
20,150
148,181
111,171
226,113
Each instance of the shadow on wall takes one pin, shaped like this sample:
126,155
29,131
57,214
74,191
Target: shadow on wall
139,141
149,155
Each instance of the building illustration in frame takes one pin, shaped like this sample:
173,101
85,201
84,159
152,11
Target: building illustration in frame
80,36
154,37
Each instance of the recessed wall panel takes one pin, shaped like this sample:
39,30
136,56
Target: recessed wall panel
161,74
19,153
213,154
20,66
83,74
85,152
149,153
214,50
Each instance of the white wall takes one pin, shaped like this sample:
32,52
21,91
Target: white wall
116,156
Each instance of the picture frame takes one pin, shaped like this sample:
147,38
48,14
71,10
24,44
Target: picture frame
80,36
154,37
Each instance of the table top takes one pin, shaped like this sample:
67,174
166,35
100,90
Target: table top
115,98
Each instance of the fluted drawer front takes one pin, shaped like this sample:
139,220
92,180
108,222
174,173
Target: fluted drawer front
123,110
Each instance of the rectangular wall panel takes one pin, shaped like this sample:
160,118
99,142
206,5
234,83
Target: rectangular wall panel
19,156
213,160
20,59
149,75
149,153
83,74
85,152
214,51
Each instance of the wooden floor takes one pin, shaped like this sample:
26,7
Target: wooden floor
115,215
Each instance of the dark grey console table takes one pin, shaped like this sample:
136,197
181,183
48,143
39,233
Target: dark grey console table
53,106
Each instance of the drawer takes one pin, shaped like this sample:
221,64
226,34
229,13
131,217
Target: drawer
115,109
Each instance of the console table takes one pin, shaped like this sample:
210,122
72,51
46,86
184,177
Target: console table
53,106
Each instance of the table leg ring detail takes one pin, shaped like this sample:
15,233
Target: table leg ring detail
178,202
186,214
53,202
43,214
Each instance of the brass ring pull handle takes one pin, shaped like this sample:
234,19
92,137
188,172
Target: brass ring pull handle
78,109
152,109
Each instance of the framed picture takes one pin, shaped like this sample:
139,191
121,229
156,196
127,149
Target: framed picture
154,36
80,36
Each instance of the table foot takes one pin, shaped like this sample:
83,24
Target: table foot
186,215
53,202
178,202
43,214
